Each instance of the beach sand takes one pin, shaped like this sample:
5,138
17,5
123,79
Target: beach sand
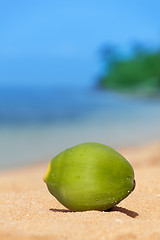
28,211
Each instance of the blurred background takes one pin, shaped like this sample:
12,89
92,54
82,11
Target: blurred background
72,72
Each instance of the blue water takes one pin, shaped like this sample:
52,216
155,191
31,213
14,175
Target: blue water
36,124
45,106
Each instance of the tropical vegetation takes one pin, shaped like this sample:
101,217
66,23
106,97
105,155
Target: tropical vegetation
137,74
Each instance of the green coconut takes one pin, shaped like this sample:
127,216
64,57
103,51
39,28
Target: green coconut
89,176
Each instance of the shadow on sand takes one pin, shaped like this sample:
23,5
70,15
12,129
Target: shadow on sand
126,211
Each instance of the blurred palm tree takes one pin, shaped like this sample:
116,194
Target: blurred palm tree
137,74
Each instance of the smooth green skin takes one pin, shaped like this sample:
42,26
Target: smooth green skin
89,176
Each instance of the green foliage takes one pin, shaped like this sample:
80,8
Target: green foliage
140,74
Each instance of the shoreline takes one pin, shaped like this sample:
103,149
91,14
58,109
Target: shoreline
53,121
28,211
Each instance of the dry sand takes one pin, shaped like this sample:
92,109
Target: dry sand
28,211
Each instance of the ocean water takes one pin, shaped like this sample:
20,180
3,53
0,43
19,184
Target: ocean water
37,124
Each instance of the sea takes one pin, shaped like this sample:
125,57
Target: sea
38,123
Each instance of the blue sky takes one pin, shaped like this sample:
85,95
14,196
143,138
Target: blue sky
57,43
